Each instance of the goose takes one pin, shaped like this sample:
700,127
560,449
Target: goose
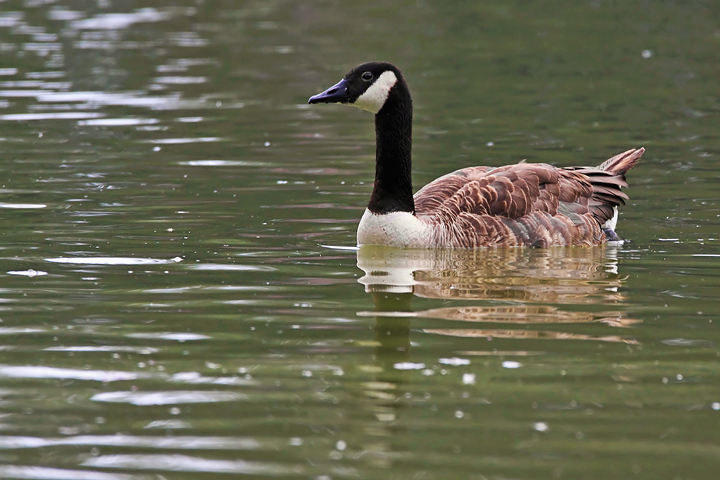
521,205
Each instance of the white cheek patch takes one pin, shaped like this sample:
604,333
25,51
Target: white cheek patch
374,97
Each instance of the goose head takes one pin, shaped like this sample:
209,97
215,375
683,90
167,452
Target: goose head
367,86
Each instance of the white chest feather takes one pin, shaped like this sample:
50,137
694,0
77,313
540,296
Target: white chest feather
397,229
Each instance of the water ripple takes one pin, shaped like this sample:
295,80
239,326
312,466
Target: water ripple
118,122
179,442
179,336
42,473
176,141
28,273
196,378
113,260
119,21
29,371
104,348
236,268
22,205
184,463
24,117
168,398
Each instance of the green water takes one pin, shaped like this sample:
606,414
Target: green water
179,293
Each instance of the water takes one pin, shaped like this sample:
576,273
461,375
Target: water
179,293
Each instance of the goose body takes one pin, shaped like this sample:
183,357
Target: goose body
526,204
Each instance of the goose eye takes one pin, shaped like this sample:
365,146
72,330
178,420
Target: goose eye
367,76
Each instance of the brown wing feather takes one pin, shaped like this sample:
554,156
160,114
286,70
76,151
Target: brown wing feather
607,181
525,204
435,193
512,191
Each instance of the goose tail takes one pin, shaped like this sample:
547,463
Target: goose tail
620,164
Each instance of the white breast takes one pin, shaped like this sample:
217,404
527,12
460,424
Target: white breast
397,229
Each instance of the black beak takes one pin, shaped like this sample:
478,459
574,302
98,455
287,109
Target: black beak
336,94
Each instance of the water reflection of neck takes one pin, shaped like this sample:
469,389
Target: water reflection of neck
392,332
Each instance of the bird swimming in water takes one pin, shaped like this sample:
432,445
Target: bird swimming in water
526,204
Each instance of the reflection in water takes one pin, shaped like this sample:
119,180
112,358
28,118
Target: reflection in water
553,275
392,332
526,281
532,334
516,287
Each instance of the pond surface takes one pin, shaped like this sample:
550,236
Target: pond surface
180,296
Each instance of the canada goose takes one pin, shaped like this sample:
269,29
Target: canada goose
526,204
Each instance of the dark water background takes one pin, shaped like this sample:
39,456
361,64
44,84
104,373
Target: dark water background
178,295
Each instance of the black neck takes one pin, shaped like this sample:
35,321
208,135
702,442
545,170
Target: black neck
393,155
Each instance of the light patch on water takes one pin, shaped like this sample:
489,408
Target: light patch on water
13,371
194,378
511,364
168,424
28,273
103,348
45,75
23,117
501,353
340,247
541,427
223,163
36,84
185,463
177,442
180,80
22,93
189,119
373,313
409,366
60,13
118,122
282,49
224,288
96,99
22,205
236,268
171,290
113,260
120,21
18,330
178,397
177,337
42,473
454,361
175,141
687,342
42,48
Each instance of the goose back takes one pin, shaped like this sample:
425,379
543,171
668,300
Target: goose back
525,204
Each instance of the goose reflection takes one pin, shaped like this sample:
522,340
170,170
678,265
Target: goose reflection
515,286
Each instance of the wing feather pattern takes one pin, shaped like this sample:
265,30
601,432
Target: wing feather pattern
526,204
